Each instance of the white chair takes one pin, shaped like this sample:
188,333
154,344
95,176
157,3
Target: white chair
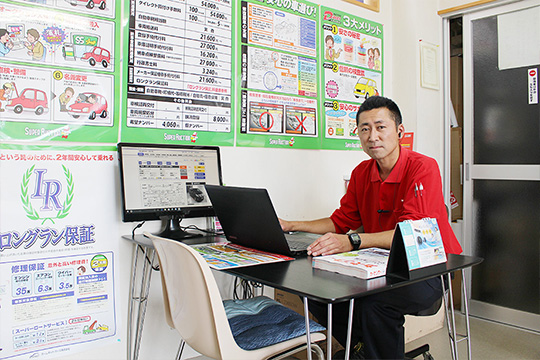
194,307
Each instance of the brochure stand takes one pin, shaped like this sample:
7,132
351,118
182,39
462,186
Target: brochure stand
417,250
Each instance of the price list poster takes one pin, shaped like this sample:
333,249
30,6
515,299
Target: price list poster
57,250
59,71
278,92
352,71
178,72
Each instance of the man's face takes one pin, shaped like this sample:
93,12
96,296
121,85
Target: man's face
68,94
4,38
30,38
378,134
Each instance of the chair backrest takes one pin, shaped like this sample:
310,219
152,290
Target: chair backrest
192,298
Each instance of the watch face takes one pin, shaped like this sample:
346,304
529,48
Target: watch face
355,240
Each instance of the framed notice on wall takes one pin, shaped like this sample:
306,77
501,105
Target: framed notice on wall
368,4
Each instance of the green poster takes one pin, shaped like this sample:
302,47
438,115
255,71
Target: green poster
178,66
278,88
59,71
352,71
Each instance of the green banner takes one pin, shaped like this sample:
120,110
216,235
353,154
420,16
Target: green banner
278,89
352,71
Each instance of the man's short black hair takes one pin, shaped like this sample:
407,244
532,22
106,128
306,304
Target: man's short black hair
376,102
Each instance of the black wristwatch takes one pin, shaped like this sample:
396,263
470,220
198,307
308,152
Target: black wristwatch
355,240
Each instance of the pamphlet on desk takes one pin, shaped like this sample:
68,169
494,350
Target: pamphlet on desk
364,264
226,255
417,247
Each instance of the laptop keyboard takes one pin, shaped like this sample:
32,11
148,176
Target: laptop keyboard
299,244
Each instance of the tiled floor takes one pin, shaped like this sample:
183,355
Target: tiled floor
489,340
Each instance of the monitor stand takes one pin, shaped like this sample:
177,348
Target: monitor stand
171,229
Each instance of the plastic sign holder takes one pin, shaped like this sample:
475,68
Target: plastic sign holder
417,250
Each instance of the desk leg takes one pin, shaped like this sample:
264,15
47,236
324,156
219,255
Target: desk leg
450,316
349,329
141,300
466,306
131,300
329,334
308,333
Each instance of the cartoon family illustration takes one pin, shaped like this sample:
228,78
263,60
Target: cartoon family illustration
36,50
331,53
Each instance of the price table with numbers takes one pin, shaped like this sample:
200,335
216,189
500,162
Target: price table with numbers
179,65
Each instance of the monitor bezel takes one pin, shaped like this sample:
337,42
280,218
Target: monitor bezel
156,214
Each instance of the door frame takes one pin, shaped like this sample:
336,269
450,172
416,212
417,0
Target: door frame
472,171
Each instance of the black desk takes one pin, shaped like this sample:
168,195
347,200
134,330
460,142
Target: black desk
299,277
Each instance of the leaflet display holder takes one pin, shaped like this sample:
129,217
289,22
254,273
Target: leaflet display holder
417,250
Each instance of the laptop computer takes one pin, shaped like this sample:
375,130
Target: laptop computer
248,218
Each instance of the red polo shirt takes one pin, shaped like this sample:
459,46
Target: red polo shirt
412,191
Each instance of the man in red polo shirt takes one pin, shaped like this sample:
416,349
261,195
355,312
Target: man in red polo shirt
396,184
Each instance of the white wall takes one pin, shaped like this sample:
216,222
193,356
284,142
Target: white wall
307,184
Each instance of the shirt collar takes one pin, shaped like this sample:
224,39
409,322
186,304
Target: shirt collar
396,175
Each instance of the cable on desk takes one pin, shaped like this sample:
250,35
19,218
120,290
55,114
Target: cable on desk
194,227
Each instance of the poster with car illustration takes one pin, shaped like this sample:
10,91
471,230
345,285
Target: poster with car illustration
39,95
104,8
352,71
280,75
57,73
55,39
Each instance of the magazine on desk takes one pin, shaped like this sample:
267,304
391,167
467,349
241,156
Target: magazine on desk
222,256
365,264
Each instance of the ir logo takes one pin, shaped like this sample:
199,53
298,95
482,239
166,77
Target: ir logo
49,192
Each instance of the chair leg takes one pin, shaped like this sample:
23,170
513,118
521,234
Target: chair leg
318,351
314,348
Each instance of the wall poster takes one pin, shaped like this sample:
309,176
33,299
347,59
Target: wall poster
352,71
57,251
279,75
178,71
59,71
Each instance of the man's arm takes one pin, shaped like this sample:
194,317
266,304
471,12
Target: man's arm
320,226
331,243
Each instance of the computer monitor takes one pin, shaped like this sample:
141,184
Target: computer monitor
161,181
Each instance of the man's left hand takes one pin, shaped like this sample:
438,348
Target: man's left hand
330,243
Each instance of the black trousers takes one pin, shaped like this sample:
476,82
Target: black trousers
378,319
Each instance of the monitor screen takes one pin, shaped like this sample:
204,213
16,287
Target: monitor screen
167,180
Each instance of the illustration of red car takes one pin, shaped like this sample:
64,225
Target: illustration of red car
30,99
97,55
89,3
90,104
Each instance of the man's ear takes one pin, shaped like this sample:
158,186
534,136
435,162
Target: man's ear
401,130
